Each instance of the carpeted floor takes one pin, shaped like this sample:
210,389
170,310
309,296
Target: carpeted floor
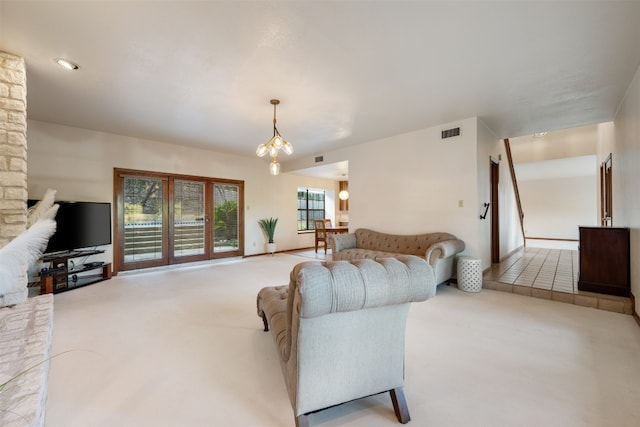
184,347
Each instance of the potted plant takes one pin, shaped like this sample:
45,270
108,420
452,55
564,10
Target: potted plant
268,225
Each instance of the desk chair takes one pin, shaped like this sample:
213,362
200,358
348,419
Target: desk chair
321,226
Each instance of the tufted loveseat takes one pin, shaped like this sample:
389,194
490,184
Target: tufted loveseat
339,329
439,249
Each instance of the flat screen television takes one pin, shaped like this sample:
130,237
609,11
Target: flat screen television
80,225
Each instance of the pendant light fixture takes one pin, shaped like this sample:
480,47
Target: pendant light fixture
343,195
274,145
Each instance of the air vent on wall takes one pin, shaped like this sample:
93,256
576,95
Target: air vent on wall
319,159
450,133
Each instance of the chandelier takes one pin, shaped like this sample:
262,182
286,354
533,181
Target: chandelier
274,145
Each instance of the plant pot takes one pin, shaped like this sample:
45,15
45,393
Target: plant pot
271,248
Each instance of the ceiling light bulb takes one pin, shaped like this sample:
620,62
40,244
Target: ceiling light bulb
65,63
277,141
262,150
287,148
274,167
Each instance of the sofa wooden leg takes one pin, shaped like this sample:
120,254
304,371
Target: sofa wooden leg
400,405
303,420
266,324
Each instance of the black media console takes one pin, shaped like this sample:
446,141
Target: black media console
63,274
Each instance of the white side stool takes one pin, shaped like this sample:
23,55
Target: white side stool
469,274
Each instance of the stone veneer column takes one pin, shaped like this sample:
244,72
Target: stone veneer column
13,155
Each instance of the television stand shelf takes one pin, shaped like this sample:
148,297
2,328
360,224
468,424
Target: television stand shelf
63,275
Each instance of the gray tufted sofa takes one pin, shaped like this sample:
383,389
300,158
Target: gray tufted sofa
439,249
339,329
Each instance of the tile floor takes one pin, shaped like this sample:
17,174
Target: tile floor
549,273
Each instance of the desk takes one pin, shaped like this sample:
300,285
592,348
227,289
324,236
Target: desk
337,230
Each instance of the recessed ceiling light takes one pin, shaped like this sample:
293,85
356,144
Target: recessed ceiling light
539,134
65,63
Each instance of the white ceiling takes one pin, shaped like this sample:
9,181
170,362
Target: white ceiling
346,72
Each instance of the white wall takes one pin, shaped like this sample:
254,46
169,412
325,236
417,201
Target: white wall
485,151
79,164
414,183
558,196
409,183
555,208
622,140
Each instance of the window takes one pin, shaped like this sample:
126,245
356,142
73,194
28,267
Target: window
311,205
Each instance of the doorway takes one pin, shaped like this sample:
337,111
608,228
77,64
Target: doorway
162,219
495,217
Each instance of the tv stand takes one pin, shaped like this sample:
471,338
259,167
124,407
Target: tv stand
63,274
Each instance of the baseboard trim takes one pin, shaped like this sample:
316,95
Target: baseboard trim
633,308
519,248
552,238
284,251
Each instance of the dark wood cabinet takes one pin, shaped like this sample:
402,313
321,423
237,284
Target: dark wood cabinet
604,260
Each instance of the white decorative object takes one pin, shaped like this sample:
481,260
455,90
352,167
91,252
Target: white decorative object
18,254
42,209
469,274
271,248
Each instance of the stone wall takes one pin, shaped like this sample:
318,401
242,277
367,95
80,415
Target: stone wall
25,345
13,161
13,147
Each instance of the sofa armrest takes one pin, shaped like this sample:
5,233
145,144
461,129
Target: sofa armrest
340,242
443,249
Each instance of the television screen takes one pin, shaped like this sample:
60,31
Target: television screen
80,225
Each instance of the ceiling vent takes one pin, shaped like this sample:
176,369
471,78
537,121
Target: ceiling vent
319,159
450,133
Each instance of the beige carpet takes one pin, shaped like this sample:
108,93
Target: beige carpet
184,347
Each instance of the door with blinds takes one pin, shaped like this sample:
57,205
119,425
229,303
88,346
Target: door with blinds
187,228
226,219
164,219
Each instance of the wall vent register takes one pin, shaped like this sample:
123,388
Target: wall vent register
450,133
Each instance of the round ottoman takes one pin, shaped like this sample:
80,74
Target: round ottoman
469,274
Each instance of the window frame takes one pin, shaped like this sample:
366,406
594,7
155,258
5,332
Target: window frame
307,211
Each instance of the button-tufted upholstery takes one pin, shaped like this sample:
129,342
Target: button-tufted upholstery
439,249
339,328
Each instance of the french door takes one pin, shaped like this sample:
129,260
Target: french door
164,219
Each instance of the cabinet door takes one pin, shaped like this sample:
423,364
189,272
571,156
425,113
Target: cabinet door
604,260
